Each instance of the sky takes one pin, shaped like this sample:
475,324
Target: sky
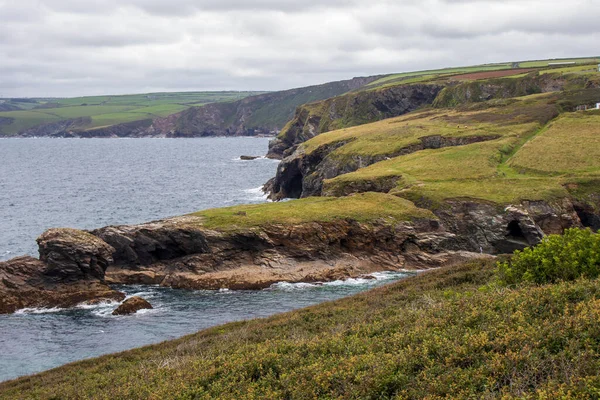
67,48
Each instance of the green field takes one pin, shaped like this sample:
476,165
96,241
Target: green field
106,110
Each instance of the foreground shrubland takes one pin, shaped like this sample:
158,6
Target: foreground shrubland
448,333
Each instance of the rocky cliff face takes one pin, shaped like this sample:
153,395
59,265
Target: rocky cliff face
301,175
70,271
181,252
351,109
264,114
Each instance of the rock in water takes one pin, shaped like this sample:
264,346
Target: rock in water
131,306
248,158
74,255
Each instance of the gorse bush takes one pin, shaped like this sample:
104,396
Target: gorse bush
558,257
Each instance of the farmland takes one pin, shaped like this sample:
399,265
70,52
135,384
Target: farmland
102,111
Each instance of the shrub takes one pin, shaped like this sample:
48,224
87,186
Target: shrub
558,257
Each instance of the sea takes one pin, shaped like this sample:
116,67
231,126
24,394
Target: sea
90,183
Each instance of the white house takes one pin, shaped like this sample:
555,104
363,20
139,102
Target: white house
597,106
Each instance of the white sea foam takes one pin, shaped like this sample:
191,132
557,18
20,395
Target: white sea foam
366,280
256,194
25,311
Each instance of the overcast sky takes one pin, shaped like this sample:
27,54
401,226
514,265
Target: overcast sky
86,47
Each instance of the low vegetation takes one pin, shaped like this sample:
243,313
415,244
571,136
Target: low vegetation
565,257
449,333
364,207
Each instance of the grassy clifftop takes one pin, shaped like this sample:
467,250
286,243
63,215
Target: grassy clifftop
442,334
529,158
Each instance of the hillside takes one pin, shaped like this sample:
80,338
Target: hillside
55,116
166,114
398,94
440,334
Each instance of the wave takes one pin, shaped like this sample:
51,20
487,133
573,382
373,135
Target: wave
34,310
259,158
256,194
365,280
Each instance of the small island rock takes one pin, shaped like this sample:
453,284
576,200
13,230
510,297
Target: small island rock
248,158
131,306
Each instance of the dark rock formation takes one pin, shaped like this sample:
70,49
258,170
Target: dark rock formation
249,158
73,255
65,128
302,175
70,271
25,283
132,305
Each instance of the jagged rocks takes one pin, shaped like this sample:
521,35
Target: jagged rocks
73,255
70,271
132,305
25,284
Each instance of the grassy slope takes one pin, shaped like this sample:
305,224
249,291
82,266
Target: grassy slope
109,110
364,207
511,168
441,334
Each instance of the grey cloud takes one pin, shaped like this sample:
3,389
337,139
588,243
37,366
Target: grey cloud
71,47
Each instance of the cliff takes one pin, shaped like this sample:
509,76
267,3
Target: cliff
263,114
348,110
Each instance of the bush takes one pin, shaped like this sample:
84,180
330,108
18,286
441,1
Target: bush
558,257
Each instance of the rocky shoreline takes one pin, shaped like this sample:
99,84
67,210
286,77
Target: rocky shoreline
78,266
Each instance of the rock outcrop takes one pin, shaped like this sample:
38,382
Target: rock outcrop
70,271
301,175
131,306
350,109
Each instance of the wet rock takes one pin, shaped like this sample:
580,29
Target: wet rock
131,306
24,283
248,158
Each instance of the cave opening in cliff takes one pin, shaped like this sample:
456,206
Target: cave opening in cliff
588,217
515,232
293,188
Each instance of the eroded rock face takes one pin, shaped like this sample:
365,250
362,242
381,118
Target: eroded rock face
74,255
24,284
353,109
132,305
302,175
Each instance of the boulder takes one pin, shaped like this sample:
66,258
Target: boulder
131,306
74,255
248,158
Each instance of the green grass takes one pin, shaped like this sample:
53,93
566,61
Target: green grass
544,63
24,120
401,77
108,110
364,207
448,333
570,144
527,161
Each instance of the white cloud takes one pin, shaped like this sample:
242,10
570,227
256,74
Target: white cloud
71,47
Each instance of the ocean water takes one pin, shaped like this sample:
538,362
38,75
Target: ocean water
89,183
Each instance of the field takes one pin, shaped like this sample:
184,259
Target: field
105,110
449,333
482,71
570,144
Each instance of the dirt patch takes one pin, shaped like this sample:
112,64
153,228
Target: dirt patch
490,74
